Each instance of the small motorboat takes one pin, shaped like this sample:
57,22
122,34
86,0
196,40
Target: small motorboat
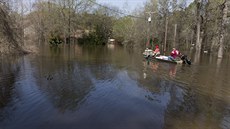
167,59
164,59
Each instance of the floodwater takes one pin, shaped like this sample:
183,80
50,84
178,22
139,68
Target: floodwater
112,88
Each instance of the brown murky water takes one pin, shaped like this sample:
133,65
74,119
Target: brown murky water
112,88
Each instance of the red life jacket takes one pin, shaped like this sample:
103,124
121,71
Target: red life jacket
175,53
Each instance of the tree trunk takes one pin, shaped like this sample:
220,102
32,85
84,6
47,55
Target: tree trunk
187,42
204,34
8,31
198,25
166,32
198,36
197,57
174,38
224,12
191,43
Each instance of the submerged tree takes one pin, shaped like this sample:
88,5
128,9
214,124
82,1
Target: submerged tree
174,23
222,27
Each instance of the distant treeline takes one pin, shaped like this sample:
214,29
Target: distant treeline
204,24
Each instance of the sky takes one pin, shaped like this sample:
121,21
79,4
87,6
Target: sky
127,4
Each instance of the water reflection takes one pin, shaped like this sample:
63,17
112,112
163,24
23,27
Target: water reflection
99,88
9,70
218,64
154,66
172,71
111,46
67,88
197,57
192,100
159,68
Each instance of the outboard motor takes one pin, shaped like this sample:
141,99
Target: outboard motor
185,60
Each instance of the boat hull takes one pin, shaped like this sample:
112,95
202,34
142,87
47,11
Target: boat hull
165,59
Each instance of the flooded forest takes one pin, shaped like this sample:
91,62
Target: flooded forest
78,64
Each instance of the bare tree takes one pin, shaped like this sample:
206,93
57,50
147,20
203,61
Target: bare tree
198,24
222,33
8,32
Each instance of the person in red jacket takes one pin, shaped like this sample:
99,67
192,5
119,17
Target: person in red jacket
156,52
174,54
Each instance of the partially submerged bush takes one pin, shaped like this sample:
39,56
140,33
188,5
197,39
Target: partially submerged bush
55,40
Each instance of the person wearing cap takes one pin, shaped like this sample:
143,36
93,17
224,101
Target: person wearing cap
156,52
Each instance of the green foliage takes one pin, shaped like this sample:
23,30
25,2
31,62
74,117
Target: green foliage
101,30
70,18
89,39
55,40
123,28
97,37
